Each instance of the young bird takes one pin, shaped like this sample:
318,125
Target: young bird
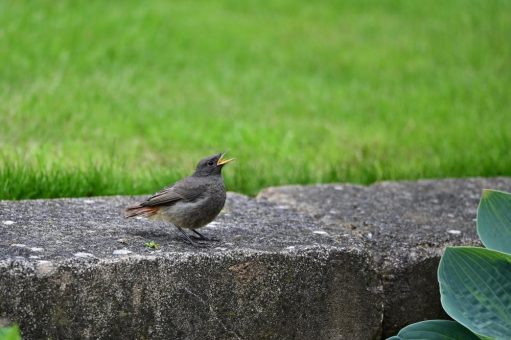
190,203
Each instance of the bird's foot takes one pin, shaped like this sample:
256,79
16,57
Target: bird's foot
204,239
190,241
201,237
187,238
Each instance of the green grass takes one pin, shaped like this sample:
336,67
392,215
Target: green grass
123,97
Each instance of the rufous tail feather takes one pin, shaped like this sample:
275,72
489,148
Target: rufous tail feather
138,210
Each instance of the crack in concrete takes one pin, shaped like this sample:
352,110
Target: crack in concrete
213,312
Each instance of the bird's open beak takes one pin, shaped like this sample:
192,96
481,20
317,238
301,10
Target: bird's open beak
223,161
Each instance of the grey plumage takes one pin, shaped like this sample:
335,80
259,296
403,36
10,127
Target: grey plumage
191,202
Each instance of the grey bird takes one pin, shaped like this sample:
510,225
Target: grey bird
190,203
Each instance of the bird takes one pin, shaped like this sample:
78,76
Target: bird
190,203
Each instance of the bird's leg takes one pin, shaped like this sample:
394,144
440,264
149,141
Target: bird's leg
186,236
201,237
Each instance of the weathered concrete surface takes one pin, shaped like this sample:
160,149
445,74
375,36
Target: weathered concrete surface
297,262
74,268
405,226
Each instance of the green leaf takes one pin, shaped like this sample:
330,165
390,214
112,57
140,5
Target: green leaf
475,289
435,330
10,333
494,220
152,245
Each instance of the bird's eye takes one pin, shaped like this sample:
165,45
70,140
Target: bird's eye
210,163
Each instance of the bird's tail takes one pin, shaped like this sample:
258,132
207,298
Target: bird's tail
138,210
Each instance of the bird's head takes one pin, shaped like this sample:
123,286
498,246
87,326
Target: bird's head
211,165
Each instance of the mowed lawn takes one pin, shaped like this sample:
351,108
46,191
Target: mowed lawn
124,97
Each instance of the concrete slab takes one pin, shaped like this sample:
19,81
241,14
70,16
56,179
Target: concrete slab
74,268
405,227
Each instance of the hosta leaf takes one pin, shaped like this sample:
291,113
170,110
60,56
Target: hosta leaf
494,220
475,288
435,330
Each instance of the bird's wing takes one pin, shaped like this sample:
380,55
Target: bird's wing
185,190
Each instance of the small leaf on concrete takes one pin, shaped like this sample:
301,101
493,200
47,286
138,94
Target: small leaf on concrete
152,245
